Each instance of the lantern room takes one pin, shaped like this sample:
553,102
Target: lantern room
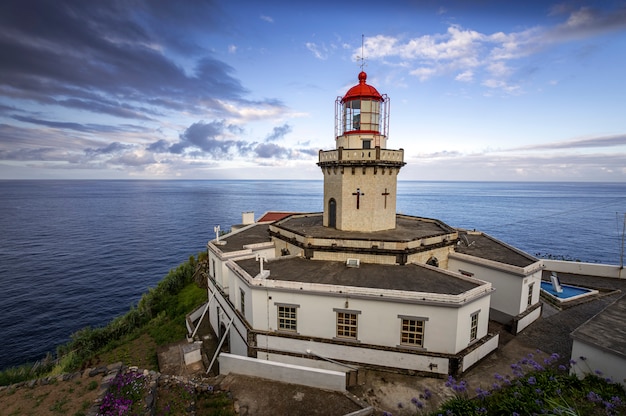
361,117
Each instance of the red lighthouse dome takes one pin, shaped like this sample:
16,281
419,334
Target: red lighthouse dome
362,91
362,111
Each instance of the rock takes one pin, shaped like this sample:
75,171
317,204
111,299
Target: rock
115,366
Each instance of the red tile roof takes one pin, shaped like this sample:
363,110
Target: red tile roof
274,216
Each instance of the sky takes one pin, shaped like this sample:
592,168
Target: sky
153,89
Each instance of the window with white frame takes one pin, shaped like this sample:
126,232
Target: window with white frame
242,296
213,263
529,301
412,332
474,326
287,318
347,324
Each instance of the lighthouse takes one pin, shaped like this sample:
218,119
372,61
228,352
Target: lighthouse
360,174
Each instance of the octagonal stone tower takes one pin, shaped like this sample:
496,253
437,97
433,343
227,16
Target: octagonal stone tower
360,175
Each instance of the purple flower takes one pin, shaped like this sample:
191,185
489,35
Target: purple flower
427,394
594,397
482,394
532,380
562,367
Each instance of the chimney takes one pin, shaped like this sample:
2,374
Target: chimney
247,218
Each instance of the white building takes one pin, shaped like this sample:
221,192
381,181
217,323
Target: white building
360,285
599,345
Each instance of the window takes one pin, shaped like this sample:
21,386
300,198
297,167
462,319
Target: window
367,144
213,262
412,332
242,296
530,294
474,326
287,318
346,325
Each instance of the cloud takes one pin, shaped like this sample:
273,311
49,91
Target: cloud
112,148
271,150
586,22
102,57
518,166
591,142
66,125
320,52
267,19
209,139
490,58
278,133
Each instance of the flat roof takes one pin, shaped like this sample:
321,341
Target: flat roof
407,228
606,330
485,247
409,277
257,233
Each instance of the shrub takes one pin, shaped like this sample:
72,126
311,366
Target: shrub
538,387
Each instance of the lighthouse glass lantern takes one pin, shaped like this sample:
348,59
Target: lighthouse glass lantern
361,117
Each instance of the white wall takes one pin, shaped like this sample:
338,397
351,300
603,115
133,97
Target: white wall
511,292
446,329
238,332
285,373
356,354
590,269
464,321
528,319
611,365
480,353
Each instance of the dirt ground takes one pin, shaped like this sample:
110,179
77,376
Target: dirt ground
59,397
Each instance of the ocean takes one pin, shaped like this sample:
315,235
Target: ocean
79,253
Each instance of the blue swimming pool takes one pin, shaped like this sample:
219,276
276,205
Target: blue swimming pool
568,291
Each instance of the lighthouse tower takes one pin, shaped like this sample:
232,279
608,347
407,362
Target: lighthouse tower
360,175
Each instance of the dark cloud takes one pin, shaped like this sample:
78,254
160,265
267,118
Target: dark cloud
132,160
24,154
104,57
161,146
278,133
309,151
99,128
603,141
271,150
112,148
209,139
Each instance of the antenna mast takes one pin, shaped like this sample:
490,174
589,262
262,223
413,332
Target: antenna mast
362,53
362,57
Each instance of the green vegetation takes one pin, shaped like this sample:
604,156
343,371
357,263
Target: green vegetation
535,387
159,315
